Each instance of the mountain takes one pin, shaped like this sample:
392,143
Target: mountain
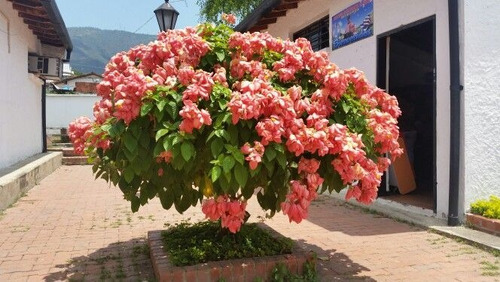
93,47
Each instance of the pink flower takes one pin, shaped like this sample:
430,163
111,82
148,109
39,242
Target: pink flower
77,132
230,211
214,208
296,212
297,202
193,118
185,75
229,18
308,165
234,216
254,155
295,92
102,110
219,76
353,192
270,129
313,181
165,156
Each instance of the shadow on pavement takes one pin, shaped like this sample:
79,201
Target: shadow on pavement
335,266
118,261
335,215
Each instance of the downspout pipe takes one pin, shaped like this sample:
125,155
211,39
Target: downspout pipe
455,113
44,116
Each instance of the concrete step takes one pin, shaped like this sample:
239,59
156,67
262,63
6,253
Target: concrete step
75,160
69,152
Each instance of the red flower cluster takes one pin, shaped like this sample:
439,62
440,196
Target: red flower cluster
230,211
303,191
254,155
129,76
77,132
81,134
302,121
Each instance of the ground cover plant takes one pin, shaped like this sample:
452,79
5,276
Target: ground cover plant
190,244
487,208
213,116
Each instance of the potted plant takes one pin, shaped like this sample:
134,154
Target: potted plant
485,215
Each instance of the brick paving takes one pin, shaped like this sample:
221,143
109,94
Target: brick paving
71,227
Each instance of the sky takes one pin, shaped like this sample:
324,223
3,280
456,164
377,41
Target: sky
128,15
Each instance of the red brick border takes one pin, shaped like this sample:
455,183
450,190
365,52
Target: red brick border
231,270
485,224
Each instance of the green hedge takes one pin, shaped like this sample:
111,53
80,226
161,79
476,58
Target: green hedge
487,208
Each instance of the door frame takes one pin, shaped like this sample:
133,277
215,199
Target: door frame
382,75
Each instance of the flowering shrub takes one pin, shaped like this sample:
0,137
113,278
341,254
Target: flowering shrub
215,116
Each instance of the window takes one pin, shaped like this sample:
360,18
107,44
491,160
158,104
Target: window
317,33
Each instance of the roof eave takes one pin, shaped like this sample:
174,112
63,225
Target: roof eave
55,16
249,21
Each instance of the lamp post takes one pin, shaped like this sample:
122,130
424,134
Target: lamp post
166,16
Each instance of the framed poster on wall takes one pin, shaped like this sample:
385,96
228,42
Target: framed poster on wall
352,24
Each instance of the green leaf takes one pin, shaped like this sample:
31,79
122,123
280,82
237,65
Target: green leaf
228,163
216,147
183,203
216,172
166,197
233,134
187,150
128,174
167,143
223,133
98,174
223,106
161,133
161,105
176,140
281,160
158,149
345,106
135,203
95,168
106,127
146,108
130,142
241,174
144,140
116,129
278,147
220,55
172,109
270,153
239,157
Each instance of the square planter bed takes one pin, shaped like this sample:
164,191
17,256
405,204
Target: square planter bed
246,269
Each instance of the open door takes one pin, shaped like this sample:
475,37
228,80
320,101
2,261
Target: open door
406,65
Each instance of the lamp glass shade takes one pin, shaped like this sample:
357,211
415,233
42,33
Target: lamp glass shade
166,16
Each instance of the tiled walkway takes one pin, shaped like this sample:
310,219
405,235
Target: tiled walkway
71,227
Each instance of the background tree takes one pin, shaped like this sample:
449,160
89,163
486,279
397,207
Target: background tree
210,10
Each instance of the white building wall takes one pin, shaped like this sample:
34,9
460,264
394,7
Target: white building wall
481,65
72,83
20,92
388,15
64,108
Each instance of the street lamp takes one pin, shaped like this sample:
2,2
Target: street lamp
166,16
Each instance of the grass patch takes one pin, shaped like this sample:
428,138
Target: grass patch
490,269
142,249
190,244
105,274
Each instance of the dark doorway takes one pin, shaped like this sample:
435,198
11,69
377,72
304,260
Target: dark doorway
406,64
